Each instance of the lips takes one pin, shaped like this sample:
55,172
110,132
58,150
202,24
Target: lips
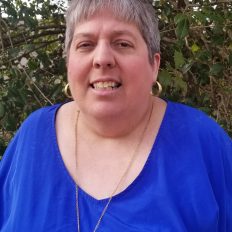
105,85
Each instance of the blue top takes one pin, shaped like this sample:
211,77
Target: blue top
185,185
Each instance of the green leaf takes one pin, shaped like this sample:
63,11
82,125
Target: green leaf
182,26
11,123
179,59
204,55
13,52
179,17
33,64
165,78
216,17
180,84
216,69
200,16
195,48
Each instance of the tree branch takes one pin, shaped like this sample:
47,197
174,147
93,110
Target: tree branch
29,38
27,53
37,88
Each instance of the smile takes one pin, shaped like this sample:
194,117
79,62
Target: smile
105,85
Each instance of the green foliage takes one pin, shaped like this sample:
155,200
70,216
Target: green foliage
196,55
196,51
32,67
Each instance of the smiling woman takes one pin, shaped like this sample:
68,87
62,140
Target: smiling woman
116,157
106,52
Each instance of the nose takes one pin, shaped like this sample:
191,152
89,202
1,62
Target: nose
103,56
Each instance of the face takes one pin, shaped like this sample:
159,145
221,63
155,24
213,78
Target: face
108,67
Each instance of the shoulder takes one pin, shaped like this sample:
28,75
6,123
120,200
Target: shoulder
193,120
188,113
192,129
39,120
41,115
34,128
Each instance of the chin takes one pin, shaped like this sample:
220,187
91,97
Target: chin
100,112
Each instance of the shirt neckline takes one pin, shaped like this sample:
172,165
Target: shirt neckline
135,182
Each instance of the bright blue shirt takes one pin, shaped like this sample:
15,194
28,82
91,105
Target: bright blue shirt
185,185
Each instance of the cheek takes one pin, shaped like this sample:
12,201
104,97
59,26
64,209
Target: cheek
70,68
142,70
78,68
73,71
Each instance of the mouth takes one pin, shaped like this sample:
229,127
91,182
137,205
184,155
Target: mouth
105,85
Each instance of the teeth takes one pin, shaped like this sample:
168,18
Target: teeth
105,85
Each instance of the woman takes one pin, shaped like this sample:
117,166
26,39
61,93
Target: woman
116,158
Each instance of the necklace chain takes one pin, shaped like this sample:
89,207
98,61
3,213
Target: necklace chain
120,181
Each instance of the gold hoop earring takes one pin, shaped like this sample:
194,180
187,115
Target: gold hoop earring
154,91
67,91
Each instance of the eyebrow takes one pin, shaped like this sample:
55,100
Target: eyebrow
123,32
80,35
114,33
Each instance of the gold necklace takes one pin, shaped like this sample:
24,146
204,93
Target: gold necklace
121,179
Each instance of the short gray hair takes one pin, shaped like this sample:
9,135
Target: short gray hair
139,12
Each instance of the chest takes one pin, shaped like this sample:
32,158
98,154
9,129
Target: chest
163,197
160,202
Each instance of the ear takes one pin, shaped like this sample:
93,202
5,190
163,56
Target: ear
156,65
66,60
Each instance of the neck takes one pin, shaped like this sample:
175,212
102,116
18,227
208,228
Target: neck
116,126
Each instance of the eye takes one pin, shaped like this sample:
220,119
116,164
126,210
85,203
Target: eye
84,45
123,44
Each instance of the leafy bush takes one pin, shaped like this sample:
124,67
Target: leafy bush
196,51
197,55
